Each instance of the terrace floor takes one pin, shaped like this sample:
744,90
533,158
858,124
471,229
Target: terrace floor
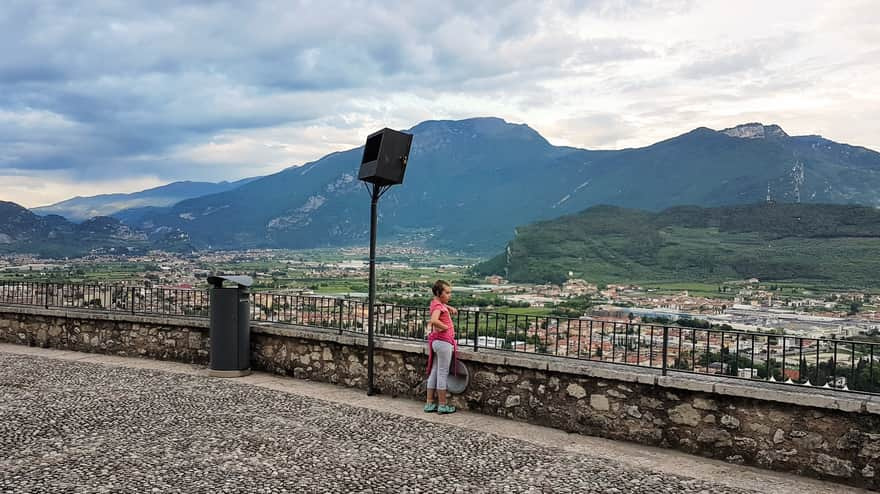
77,422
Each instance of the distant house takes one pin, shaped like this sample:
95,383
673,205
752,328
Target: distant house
495,280
747,372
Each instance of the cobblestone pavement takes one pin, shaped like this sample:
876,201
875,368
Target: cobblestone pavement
81,427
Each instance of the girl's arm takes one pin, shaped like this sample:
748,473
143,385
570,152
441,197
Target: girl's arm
435,321
452,310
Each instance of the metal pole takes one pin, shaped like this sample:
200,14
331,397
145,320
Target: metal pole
340,302
374,206
665,347
477,330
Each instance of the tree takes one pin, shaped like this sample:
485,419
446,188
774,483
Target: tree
854,308
681,363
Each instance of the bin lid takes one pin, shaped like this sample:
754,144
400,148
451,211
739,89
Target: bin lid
241,281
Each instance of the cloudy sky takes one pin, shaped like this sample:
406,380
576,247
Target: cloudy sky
106,96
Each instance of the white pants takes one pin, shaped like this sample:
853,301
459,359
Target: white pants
440,365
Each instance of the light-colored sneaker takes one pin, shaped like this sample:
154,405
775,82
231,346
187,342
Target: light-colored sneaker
445,409
430,407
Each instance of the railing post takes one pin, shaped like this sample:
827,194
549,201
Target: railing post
132,299
477,330
665,347
340,303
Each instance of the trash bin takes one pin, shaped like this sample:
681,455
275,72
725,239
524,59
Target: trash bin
229,326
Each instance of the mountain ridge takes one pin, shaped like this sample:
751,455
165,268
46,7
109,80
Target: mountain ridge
470,182
81,208
832,244
22,231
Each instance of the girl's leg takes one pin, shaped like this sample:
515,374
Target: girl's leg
442,357
432,385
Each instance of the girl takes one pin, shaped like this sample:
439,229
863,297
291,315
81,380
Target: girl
441,346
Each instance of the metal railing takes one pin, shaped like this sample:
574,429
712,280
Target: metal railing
845,365
108,298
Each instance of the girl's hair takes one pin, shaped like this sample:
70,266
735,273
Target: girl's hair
438,287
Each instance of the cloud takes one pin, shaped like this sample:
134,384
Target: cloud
39,188
166,90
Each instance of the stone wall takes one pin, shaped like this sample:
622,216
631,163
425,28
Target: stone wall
161,338
824,434
833,436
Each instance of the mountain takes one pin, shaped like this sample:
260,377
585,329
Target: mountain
83,208
830,244
54,236
323,204
470,182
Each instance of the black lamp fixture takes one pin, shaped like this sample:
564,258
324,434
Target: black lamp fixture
386,154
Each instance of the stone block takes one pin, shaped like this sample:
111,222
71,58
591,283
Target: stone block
850,440
849,405
534,403
717,437
603,372
807,397
487,357
600,402
525,385
745,443
646,378
356,369
809,440
704,404
871,449
729,421
576,390
873,406
526,363
648,402
779,436
685,414
402,346
615,394
685,383
348,341
832,466
486,379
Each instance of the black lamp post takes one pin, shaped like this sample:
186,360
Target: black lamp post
383,165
